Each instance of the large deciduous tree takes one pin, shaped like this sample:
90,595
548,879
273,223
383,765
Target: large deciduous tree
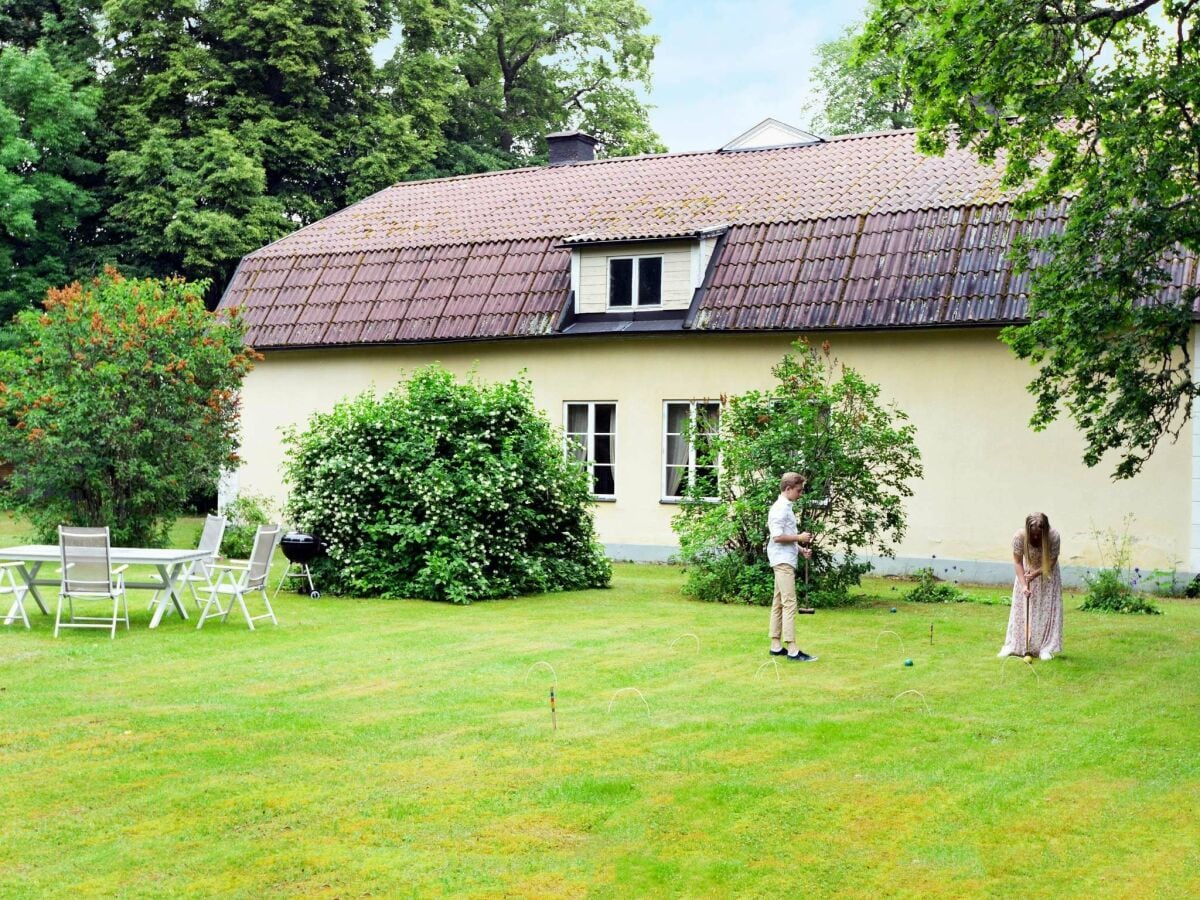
45,126
120,403
1098,104
65,28
853,94
508,72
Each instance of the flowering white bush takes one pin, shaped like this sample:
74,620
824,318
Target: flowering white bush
445,491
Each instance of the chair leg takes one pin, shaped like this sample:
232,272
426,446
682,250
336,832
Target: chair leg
125,603
58,615
270,610
245,612
18,593
205,610
116,610
195,597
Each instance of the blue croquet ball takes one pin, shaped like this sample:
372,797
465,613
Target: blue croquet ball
908,662
893,609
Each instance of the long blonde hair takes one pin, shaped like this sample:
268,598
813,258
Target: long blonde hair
1043,520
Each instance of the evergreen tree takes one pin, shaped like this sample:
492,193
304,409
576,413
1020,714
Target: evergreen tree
44,125
233,122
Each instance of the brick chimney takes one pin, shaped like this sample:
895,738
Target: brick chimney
571,147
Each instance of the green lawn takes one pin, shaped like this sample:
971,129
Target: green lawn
405,748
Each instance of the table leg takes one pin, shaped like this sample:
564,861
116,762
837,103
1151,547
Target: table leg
171,578
30,575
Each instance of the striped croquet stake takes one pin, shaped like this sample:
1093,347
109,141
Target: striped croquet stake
553,711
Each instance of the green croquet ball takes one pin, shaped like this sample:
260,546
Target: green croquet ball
893,609
908,662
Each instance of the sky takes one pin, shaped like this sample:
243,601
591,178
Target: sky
722,66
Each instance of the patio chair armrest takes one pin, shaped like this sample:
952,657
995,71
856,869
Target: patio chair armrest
236,566
11,565
119,569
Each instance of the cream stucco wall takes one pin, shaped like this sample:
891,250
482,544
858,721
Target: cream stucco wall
984,468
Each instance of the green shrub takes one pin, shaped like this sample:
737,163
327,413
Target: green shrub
1112,588
1108,592
931,589
444,491
858,454
243,516
120,403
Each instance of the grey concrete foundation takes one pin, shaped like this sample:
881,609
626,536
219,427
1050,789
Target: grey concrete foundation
966,571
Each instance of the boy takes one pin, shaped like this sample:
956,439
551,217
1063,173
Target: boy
783,550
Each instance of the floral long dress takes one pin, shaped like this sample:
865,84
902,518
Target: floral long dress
1044,608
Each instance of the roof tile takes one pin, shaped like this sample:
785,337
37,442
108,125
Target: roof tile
850,233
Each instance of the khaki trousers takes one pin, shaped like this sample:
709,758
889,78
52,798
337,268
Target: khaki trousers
783,605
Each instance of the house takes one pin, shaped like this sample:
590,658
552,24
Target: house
635,292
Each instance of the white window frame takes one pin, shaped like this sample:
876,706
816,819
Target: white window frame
590,460
691,464
634,289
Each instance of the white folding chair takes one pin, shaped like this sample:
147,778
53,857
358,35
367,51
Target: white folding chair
236,580
87,575
9,586
200,572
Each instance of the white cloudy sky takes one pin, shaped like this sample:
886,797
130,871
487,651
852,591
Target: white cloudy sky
723,65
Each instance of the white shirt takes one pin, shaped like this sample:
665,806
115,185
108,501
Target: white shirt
781,520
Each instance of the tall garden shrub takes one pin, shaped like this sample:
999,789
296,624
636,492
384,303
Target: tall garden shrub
119,404
443,490
826,421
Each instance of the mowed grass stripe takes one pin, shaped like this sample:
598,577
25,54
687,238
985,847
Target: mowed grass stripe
405,748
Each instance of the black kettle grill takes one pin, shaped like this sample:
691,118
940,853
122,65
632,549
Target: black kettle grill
300,549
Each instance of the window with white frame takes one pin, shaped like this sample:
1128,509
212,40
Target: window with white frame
690,456
634,281
591,438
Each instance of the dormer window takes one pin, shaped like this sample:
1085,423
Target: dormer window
634,281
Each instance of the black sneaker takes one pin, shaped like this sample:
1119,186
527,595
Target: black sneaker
802,657
782,651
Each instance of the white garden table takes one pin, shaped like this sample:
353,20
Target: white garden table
172,566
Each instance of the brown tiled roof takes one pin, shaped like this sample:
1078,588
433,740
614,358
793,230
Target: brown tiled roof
853,232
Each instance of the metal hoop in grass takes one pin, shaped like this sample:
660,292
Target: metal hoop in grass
911,691
893,634
623,690
542,662
680,637
769,662
1032,668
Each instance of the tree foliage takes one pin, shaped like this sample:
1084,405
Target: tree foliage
45,124
231,122
825,421
66,30
857,93
444,491
507,72
221,125
121,402
1098,104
